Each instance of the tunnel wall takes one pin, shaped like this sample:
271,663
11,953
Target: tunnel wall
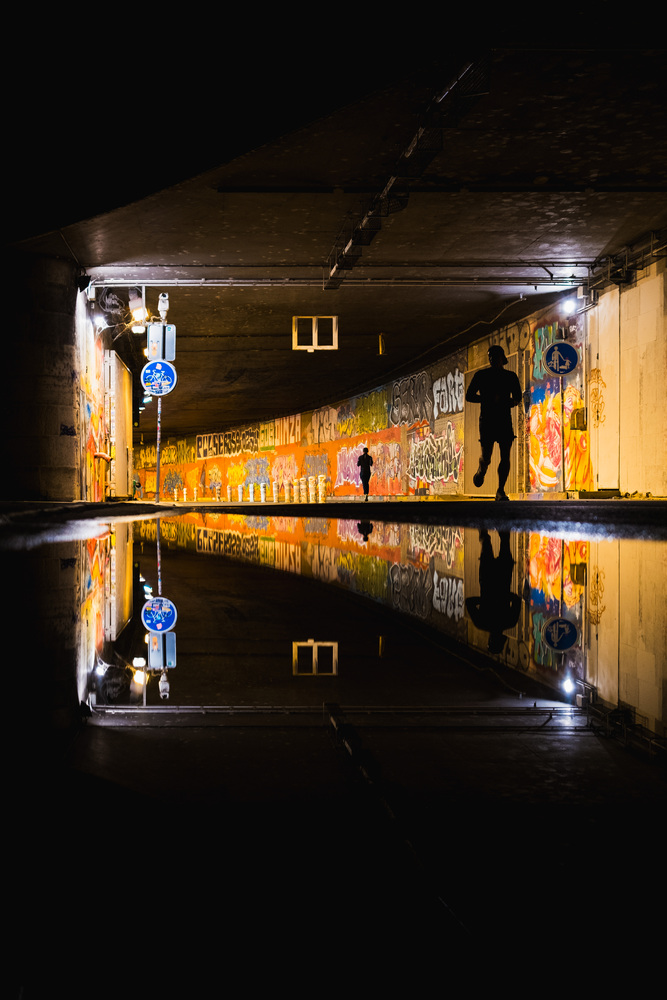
39,395
414,428
601,427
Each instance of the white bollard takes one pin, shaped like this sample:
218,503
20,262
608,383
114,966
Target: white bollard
276,487
287,493
311,489
262,492
175,494
240,492
303,489
251,493
185,493
321,489
195,494
297,495
229,494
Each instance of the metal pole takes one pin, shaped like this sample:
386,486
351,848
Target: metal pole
562,436
159,561
159,427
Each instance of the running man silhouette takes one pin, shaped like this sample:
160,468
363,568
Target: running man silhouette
364,462
497,608
497,391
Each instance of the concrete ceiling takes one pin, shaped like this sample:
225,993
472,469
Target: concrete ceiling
460,204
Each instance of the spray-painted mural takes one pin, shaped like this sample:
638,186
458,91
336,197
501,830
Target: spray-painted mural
558,446
95,431
413,427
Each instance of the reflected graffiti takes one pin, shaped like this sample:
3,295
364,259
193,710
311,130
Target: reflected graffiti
411,589
445,542
448,596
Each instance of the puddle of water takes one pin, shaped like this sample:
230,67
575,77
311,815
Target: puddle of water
288,611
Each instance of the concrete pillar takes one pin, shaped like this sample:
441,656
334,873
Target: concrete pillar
40,388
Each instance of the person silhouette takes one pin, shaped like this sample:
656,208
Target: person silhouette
364,462
498,391
497,608
365,528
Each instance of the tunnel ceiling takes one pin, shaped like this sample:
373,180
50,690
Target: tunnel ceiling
423,212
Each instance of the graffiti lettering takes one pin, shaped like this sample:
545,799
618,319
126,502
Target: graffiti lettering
173,481
288,430
363,574
441,541
323,426
412,400
448,596
209,445
257,471
436,458
148,457
245,439
267,436
322,562
284,469
347,531
228,543
387,464
315,465
371,412
316,526
347,468
287,524
448,393
411,589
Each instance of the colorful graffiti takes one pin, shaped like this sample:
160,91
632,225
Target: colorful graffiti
413,427
556,571
545,436
558,446
435,458
96,431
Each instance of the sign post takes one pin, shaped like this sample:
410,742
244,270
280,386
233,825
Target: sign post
158,378
561,358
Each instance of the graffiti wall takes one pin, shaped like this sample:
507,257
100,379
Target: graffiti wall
559,452
94,433
413,427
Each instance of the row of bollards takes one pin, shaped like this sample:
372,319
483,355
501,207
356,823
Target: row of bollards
307,489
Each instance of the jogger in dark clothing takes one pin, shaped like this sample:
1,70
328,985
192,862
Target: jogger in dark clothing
364,462
498,391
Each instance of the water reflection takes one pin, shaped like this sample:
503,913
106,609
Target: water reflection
585,616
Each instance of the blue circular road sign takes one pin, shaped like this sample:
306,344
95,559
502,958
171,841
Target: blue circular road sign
560,358
159,614
559,633
158,377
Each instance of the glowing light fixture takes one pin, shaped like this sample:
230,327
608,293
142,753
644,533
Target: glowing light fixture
568,686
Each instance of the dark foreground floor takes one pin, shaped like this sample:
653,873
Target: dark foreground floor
282,851
261,843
